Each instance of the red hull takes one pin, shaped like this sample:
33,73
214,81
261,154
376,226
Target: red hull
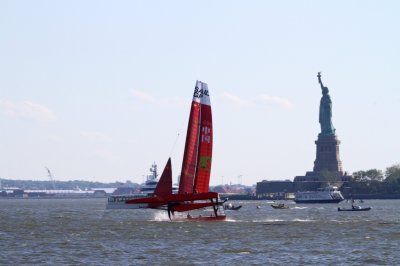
218,218
202,218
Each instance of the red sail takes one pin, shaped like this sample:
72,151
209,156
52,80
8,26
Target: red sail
190,155
196,164
164,186
204,156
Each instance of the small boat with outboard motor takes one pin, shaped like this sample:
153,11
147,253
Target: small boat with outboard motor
279,206
231,207
354,208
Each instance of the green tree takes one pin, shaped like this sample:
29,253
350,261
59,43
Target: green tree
375,174
392,173
358,176
372,174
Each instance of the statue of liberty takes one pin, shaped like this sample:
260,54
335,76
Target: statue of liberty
325,111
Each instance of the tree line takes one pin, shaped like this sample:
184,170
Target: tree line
374,183
391,174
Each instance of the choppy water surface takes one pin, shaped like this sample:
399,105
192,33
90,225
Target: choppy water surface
81,231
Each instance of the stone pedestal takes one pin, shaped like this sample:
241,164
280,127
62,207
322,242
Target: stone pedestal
327,164
328,158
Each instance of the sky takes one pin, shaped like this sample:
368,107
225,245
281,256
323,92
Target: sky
99,90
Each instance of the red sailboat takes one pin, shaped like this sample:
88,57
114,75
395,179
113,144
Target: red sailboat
193,191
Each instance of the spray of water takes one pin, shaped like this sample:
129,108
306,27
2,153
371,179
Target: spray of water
160,216
300,208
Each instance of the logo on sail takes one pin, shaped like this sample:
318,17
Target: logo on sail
199,93
205,134
203,163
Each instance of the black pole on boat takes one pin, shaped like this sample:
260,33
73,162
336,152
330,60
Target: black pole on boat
215,208
169,211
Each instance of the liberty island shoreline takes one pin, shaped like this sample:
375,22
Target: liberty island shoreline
12,192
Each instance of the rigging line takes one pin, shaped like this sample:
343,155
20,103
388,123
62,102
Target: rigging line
184,124
173,146
182,128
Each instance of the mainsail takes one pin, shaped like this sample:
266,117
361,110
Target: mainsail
196,164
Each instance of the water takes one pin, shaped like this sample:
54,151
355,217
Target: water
81,231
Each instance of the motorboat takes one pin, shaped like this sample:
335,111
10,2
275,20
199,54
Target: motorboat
231,207
279,206
354,208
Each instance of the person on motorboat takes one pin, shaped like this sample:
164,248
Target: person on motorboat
230,206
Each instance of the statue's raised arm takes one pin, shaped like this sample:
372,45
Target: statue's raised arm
319,80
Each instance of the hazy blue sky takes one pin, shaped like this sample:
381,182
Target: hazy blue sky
98,90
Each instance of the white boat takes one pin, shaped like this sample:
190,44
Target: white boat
330,194
151,181
117,200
